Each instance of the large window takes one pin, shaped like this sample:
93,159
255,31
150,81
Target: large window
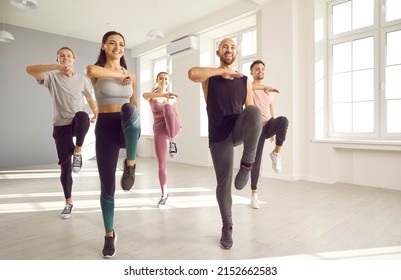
246,41
364,69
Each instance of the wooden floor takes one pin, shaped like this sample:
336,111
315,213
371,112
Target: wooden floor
297,220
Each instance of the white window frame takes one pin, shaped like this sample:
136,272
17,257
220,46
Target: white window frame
378,31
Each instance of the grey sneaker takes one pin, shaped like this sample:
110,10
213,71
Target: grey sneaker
242,177
162,201
109,249
66,214
173,149
276,162
128,178
226,240
76,163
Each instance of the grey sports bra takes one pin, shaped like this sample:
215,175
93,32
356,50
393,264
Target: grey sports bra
112,91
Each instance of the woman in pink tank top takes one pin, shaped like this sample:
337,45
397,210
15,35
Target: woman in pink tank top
166,127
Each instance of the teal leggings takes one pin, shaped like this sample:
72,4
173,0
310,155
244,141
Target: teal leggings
114,131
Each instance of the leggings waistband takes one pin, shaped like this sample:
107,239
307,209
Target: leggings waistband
157,116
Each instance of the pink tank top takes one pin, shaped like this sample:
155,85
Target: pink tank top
263,100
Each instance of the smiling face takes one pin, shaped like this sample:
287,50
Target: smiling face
227,52
114,47
65,57
258,71
162,80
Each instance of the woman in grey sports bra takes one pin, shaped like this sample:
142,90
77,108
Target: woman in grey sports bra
118,126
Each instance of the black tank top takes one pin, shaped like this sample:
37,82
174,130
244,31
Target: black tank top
225,101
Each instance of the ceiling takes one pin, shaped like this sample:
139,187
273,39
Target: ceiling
90,19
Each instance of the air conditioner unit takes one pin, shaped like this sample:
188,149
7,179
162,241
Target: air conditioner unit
182,45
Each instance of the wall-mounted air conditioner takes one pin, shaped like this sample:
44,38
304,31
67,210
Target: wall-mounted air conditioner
182,45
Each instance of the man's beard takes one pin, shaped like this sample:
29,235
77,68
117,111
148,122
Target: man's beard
227,61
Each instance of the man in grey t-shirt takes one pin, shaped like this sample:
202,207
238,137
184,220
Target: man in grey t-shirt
67,90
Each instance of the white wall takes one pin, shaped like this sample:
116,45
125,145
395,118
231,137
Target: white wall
280,55
290,51
26,110
192,147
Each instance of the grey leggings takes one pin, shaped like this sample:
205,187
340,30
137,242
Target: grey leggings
247,130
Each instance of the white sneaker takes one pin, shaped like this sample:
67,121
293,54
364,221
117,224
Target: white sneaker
173,149
276,162
162,201
254,201
66,214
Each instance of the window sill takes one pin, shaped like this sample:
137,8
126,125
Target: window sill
379,145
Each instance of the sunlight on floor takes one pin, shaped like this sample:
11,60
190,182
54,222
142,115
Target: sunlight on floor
369,253
50,173
122,204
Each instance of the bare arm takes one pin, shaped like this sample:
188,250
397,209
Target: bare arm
272,112
37,71
201,74
266,89
249,94
176,111
131,79
93,107
149,95
95,71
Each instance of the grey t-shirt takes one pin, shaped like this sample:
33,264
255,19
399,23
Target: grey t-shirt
67,94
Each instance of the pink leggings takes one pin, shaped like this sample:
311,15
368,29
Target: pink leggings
164,128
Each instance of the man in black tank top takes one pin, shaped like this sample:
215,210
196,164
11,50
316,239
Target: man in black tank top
226,93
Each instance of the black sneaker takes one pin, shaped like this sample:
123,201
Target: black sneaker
109,249
226,240
66,214
173,149
242,177
162,201
76,163
128,178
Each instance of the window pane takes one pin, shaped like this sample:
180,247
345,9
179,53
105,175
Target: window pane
363,117
342,88
363,85
342,116
341,17
394,116
363,54
363,13
393,48
342,57
246,71
393,10
393,82
248,43
159,66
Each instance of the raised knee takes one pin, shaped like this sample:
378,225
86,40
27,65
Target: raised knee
167,107
128,110
81,115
